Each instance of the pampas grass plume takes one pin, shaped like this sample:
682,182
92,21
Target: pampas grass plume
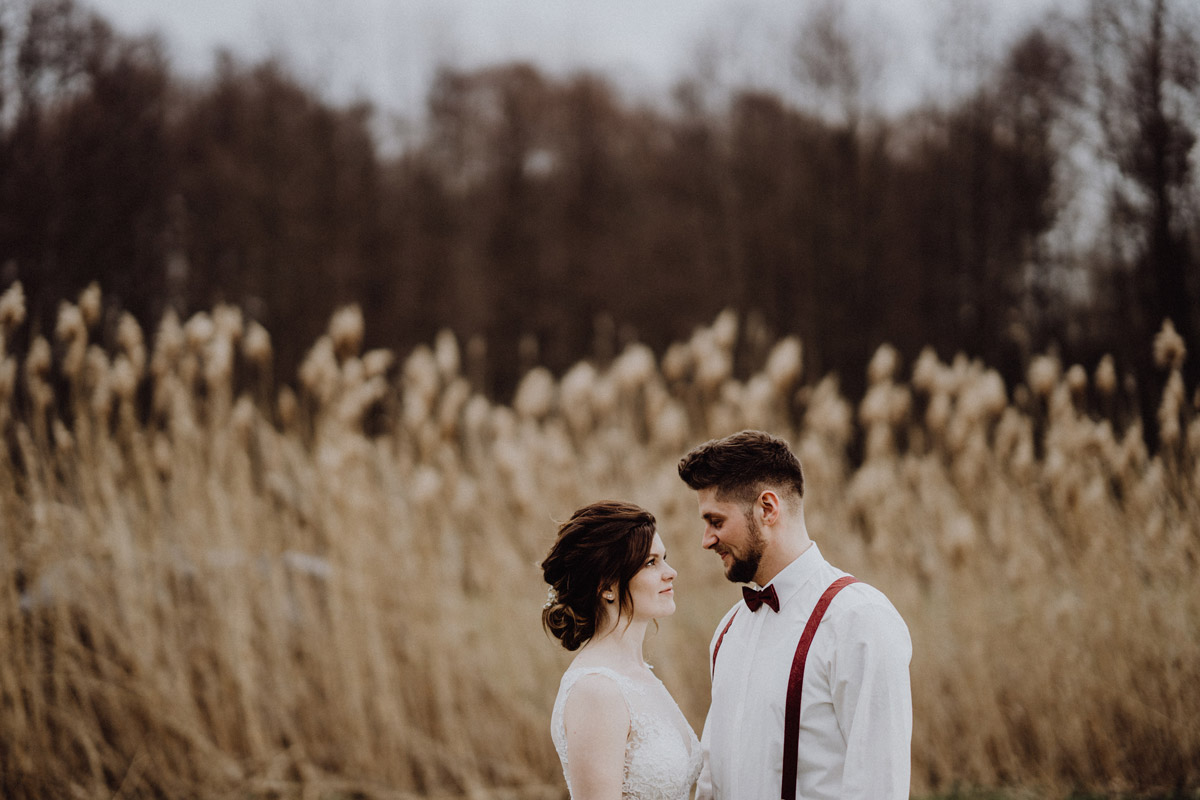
725,329
575,397
447,356
72,332
97,375
256,346
535,394
925,371
883,364
476,415
1106,376
39,359
1077,381
634,367
123,377
12,311
937,413
670,430
1043,375
346,330
218,364
1173,399
64,442
677,362
287,407
784,364
713,365
450,410
242,419
828,414
90,305
420,373
1169,348
198,331
169,342
37,369
377,362
319,373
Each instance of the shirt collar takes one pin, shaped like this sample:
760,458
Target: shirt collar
796,574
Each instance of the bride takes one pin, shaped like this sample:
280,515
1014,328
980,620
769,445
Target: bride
618,731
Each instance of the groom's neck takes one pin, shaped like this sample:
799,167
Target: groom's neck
782,548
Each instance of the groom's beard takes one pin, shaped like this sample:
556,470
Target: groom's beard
744,565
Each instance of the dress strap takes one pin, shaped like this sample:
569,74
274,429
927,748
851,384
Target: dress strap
624,682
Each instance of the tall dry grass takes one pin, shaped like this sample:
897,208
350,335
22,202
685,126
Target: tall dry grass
210,591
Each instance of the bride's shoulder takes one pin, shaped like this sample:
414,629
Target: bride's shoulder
595,682
594,693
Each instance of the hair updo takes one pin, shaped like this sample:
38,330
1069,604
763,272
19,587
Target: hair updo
601,544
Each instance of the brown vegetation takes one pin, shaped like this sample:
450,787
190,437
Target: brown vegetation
210,588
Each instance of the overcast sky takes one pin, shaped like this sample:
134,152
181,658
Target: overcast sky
386,50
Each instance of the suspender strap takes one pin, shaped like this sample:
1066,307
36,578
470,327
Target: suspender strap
791,719
717,646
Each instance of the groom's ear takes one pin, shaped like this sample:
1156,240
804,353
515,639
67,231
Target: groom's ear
769,506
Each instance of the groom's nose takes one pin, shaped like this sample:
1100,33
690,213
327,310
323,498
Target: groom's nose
709,538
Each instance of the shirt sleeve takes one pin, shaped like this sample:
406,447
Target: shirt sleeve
872,700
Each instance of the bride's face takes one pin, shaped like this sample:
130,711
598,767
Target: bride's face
652,588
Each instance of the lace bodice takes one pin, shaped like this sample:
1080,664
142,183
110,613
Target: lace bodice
662,754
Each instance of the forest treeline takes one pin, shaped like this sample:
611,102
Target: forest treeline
546,219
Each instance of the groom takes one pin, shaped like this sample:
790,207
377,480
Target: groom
810,687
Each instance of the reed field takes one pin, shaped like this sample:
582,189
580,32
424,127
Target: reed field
214,586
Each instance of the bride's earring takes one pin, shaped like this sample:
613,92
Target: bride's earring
608,596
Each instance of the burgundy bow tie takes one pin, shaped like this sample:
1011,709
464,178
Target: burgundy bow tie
754,600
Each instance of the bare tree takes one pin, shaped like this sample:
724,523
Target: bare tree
1147,101
836,61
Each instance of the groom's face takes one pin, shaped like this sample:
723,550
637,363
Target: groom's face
731,531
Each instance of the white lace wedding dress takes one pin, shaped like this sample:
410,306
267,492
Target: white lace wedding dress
662,754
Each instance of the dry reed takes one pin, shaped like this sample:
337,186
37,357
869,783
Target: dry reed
211,589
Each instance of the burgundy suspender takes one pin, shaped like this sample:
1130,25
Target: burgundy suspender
791,716
791,719
717,646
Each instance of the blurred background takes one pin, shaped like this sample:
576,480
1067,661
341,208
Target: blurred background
553,181
314,317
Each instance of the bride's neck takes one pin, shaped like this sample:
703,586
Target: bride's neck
620,642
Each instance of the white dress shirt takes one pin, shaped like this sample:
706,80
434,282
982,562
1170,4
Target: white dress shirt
856,708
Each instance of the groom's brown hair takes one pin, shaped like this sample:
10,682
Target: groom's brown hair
741,465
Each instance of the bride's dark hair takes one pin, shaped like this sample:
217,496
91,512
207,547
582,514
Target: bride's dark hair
601,544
